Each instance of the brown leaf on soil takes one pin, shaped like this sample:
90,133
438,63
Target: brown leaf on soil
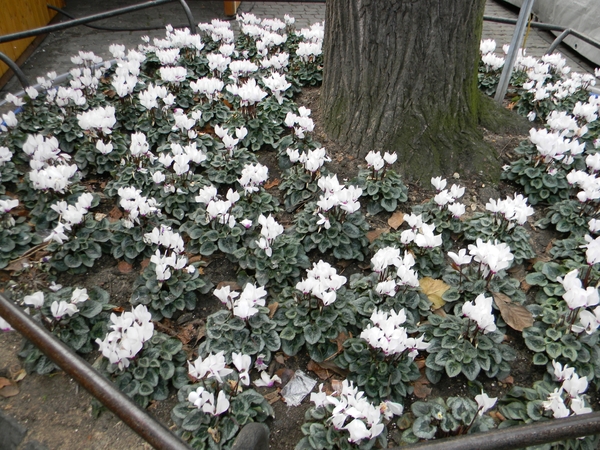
508,380
434,289
214,434
272,397
420,363
421,388
396,220
115,214
516,316
4,382
272,183
329,365
339,340
323,374
285,375
496,415
337,385
232,285
4,277
124,267
195,258
18,264
272,308
144,264
280,358
19,375
9,390
374,234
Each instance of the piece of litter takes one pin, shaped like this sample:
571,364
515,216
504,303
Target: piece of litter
297,388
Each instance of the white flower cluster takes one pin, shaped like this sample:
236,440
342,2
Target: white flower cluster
493,256
402,273
480,312
100,118
213,366
5,155
69,215
322,282
58,309
313,46
269,231
216,208
301,123
9,120
209,87
573,386
165,237
578,299
336,195
248,92
241,68
278,84
173,258
588,183
253,175
49,169
205,401
514,210
354,413
173,74
130,331
244,306
149,97
447,197
312,160
376,161
387,335
180,158
422,234
136,205
81,79
219,30
492,61
228,140
553,146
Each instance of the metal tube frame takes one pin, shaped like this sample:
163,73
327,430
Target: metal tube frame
154,432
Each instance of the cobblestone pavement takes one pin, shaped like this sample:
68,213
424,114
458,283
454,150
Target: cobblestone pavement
55,52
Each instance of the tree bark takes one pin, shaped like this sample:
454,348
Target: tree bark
401,75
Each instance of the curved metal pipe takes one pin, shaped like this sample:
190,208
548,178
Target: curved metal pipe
16,69
154,432
519,436
188,13
81,21
101,28
558,40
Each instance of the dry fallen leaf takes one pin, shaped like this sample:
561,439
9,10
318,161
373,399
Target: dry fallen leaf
516,316
421,387
323,374
434,289
233,286
18,264
214,434
374,234
337,385
396,220
272,397
272,308
124,267
8,388
19,375
272,183
115,214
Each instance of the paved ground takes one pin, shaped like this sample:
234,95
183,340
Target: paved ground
56,50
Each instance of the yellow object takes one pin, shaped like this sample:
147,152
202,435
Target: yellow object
231,7
21,15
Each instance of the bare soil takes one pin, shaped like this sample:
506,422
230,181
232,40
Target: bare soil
57,412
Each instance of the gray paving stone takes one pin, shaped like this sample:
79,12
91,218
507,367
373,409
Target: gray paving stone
12,432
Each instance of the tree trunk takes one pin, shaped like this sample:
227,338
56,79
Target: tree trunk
401,75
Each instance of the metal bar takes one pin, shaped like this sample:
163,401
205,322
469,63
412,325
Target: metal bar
557,41
155,433
519,436
16,69
513,51
82,20
116,29
189,15
546,27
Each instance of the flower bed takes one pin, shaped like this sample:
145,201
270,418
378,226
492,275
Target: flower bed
158,161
